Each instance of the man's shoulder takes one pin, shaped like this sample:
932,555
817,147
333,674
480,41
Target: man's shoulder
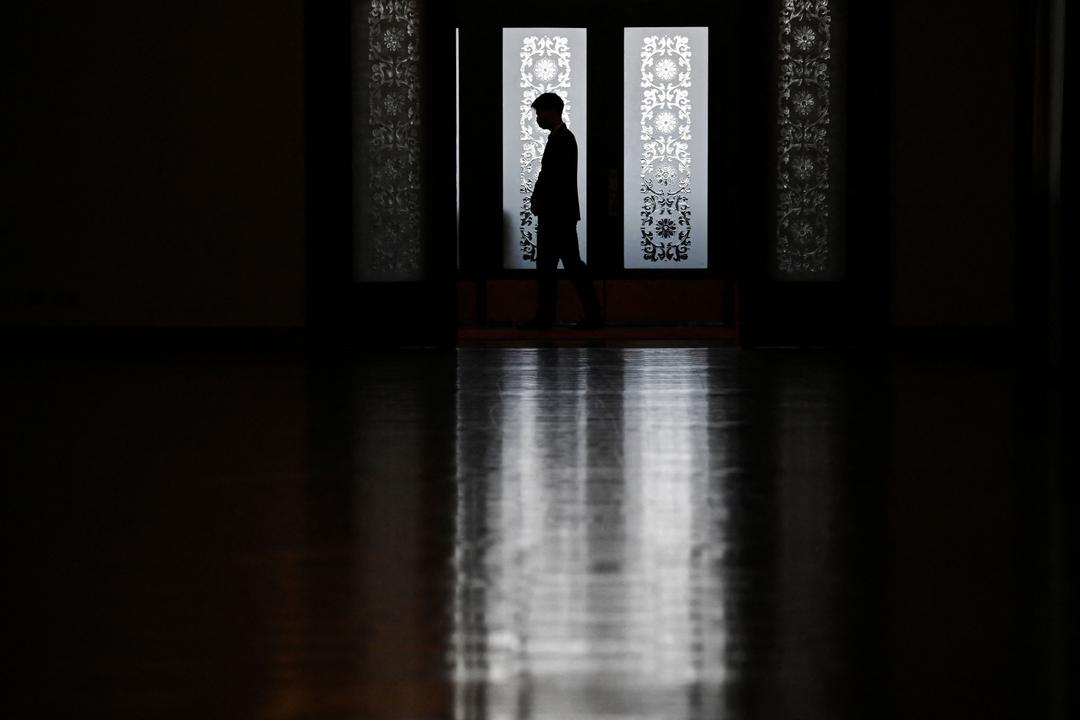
563,133
564,137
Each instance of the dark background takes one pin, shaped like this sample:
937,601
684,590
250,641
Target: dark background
210,533
172,167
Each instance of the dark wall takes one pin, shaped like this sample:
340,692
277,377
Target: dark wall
955,104
154,168
156,173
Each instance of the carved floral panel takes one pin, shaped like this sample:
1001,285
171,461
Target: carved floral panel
536,61
803,239
665,187
387,161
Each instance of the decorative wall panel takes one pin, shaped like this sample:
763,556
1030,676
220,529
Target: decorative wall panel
804,239
388,194
535,61
666,134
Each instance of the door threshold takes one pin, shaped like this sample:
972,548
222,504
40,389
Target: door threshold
611,333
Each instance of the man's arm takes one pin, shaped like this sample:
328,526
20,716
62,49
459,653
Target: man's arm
536,201
562,190
558,176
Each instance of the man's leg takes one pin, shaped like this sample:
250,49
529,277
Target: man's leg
579,273
547,260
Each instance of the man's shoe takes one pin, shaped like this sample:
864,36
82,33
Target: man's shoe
535,324
588,324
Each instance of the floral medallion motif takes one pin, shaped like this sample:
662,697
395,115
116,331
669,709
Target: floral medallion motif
804,37
665,156
392,104
665,227
665,174
545,67
665,123
803,167
393,38
803,102
802,214
666,69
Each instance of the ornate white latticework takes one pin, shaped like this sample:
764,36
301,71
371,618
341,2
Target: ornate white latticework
666,148
545,67
665,152
802,214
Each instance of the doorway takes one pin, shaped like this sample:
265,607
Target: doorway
461,279
697,292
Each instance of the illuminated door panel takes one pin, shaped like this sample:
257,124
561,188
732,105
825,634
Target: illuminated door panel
666,141
535,61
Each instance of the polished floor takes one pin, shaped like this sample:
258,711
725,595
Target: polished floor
531,533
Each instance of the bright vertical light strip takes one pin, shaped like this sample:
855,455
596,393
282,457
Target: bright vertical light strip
457,143
666,148
537,60
668,471
577,588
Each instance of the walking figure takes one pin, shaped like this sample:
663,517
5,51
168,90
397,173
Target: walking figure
554,202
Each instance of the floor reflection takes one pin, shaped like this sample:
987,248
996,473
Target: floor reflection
588,567
537,533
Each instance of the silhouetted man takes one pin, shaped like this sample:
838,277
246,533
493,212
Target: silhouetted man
555,204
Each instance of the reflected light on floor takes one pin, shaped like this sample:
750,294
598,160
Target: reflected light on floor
587,564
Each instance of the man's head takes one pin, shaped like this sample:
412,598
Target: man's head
548,107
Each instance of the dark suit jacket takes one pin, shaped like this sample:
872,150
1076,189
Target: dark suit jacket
555,192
